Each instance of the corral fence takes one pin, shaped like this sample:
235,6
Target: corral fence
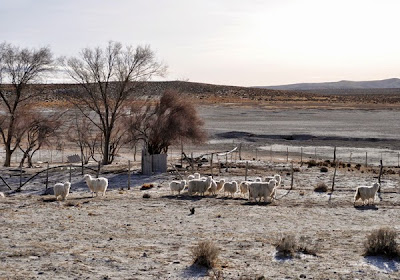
191,158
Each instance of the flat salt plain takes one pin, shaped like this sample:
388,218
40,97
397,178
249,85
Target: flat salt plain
124,236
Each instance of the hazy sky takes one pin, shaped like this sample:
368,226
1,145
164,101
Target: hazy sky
233,42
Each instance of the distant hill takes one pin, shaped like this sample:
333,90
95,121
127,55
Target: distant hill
377,84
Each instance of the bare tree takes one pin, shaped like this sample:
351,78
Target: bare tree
18,69
37,129
171,120
82,132
108,80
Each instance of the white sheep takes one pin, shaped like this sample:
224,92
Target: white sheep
213,187
196,175
366,193
61,190
244,187
231,187
262,190
190,177
278,180
199,186
220,184
2,195
96,185
177,186
258,179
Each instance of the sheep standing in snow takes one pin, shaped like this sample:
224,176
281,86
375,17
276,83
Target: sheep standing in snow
2,195
199,186
177,186
213,187
96,185
264,190
220,184
244,187
366,193
231,187
61,190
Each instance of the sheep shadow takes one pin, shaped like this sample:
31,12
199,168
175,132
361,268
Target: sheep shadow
252,203
184,197
230,198
194,271
366,207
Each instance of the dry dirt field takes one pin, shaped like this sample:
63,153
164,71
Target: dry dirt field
126,236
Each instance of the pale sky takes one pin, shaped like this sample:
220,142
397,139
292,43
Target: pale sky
230,42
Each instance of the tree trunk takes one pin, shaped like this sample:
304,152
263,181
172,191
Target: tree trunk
106,149
30,164
21,164
7,162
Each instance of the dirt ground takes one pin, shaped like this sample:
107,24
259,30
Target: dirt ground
126,236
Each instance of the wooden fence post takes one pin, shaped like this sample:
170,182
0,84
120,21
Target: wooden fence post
333,180
211,164
366,159
47,176
287,154
226,162
240,151
301,155
129,174
70,173
380,174
247,167
334,155
292,179
315,154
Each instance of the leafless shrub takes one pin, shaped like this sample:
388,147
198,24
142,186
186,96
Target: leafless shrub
287,246
321,187
382,242
205,254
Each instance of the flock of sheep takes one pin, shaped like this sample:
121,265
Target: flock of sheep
258,189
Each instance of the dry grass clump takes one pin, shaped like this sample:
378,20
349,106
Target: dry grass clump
146,195
382,242
205,254
321,187
288,246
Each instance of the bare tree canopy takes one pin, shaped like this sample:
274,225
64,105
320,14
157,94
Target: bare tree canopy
38,128
107,77
18,69
169,121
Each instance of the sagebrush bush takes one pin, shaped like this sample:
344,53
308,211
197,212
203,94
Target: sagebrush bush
321,187
205,254
382,242
287,246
